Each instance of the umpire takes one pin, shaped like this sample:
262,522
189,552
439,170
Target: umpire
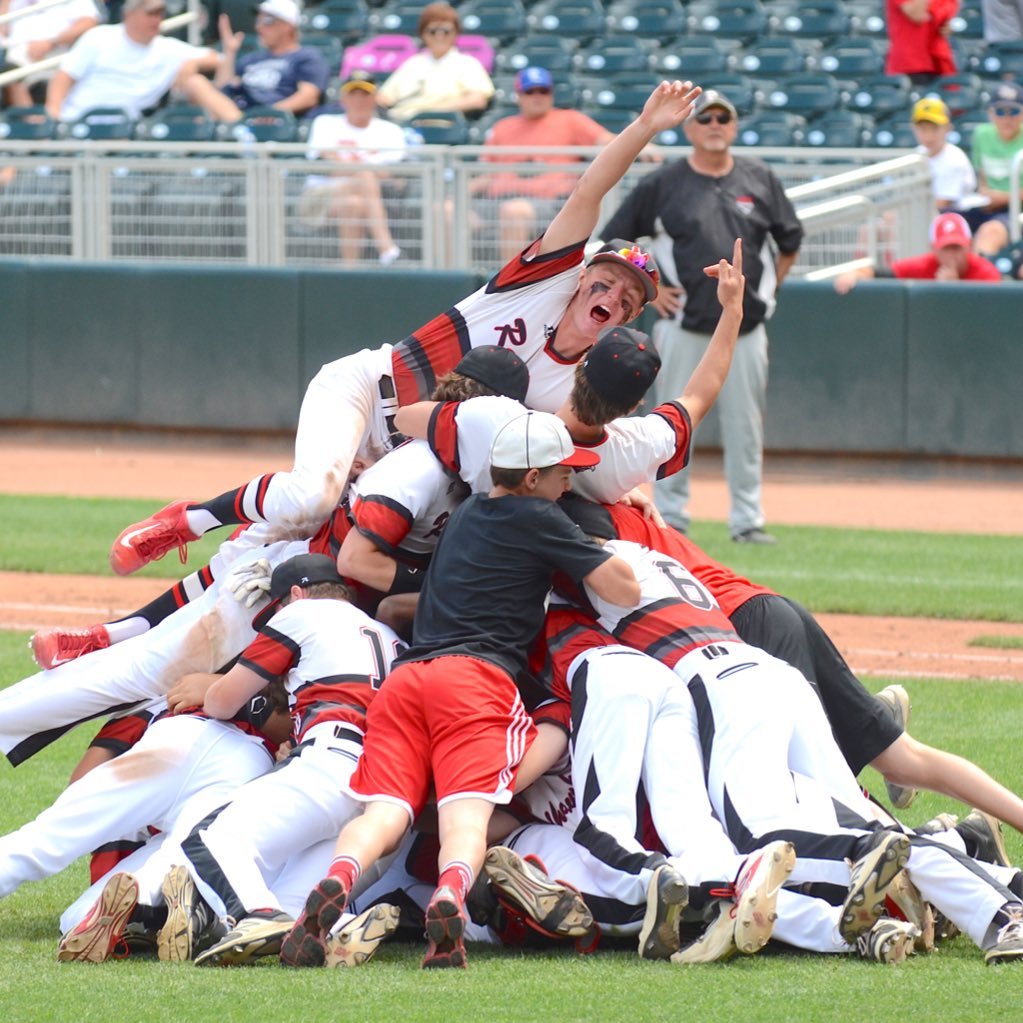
694,209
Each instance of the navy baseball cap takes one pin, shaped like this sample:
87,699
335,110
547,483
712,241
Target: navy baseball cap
498,368
634,259
1006,92
533,78
301,570
622,365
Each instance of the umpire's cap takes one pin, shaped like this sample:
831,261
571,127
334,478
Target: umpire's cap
498,368
301,570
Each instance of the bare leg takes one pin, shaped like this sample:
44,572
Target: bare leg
198,89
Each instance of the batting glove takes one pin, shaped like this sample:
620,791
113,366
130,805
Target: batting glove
250,582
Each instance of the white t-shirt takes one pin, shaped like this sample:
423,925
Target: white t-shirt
952,175
380,142
110,70
45,24
425,83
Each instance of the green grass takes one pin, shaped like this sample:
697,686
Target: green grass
998,642
978,719
938,575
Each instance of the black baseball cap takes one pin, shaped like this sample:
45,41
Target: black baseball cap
498,368
622,365
301,570
634,259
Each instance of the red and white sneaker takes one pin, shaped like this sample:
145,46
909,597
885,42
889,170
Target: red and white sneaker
150,539
101,931
306,943
53,647
445,927
756,894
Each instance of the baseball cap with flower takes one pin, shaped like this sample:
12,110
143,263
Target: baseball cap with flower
640,263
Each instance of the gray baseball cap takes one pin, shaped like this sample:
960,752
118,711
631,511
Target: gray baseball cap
713,98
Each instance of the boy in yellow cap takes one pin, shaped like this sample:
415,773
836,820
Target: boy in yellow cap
953,179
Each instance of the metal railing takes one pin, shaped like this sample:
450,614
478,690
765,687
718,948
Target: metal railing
241,203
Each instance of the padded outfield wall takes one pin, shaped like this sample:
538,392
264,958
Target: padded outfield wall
893,367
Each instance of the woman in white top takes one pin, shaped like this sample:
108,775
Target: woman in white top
439,77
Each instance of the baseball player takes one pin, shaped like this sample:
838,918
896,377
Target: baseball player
451,711
544,305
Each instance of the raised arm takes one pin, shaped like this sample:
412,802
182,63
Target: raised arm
668,105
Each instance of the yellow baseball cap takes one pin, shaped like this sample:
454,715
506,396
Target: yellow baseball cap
932,109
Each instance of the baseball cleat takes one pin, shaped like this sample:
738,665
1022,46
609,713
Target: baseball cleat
666,896
357,941
904,902
896,699
152,538
936,825
983,837
887,941
306,943
1008,945
559,910
445,927
756,894
869,878
53,647
100,932
190,920
253,936
716,944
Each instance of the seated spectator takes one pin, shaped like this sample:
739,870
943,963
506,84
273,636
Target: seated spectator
37,35
950,259
526,201
129,66
994,146
282,73
354,201
952,177
918,32
439,77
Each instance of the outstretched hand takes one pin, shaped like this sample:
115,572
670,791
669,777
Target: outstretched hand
731,282
669,104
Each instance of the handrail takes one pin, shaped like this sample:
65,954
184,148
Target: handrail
854,177
42,5
1014,200
827,273
15,75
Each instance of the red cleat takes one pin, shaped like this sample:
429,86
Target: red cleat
445,927
100,933
150,539
54,647
306,942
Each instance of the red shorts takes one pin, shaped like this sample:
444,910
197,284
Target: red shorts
456,720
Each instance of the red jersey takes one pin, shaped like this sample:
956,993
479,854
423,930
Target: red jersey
925,268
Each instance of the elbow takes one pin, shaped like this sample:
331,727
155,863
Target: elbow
629,593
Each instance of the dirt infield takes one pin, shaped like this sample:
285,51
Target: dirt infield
869,494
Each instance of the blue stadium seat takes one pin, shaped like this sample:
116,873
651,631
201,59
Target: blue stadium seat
397,17
613,54
625,91
961,93
101,123
745,20
26,123
581,20
772,128
893,133
866,18
263,124
504,20
774,57
840,129
853,57
177,123
693,56
440,127
745,93
809,93
881,95
348,20
1002,60
549,51
823,20
649,19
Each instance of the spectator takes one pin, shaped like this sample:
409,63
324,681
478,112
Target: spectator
950,259
130,65
695,208
439,77
1003,20
918,32
525,201
354,201
952,177
281,73
994,146
37,35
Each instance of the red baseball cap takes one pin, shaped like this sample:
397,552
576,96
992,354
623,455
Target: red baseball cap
950,229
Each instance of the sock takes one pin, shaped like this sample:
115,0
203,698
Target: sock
243,504
458,876
388,256
347,870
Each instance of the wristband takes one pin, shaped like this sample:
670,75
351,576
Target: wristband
406,580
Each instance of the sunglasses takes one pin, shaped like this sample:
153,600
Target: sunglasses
537,91
724,117
1007,111
439,30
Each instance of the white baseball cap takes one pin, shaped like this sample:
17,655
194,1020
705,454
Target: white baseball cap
537,440
282,10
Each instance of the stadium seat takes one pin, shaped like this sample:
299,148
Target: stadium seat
504,20
895,133
882,95
624,91
329,47
242,14
649,19
808,94
551,52
26,123
178,123
963,126
969,22
612,118
773,57
1002,60
853,57
440,127
379,55
581,20
866,18
772,128
348,20
745,20
612,55
961,93
263,124
823,20
840,129
477,46
101,123
399,17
